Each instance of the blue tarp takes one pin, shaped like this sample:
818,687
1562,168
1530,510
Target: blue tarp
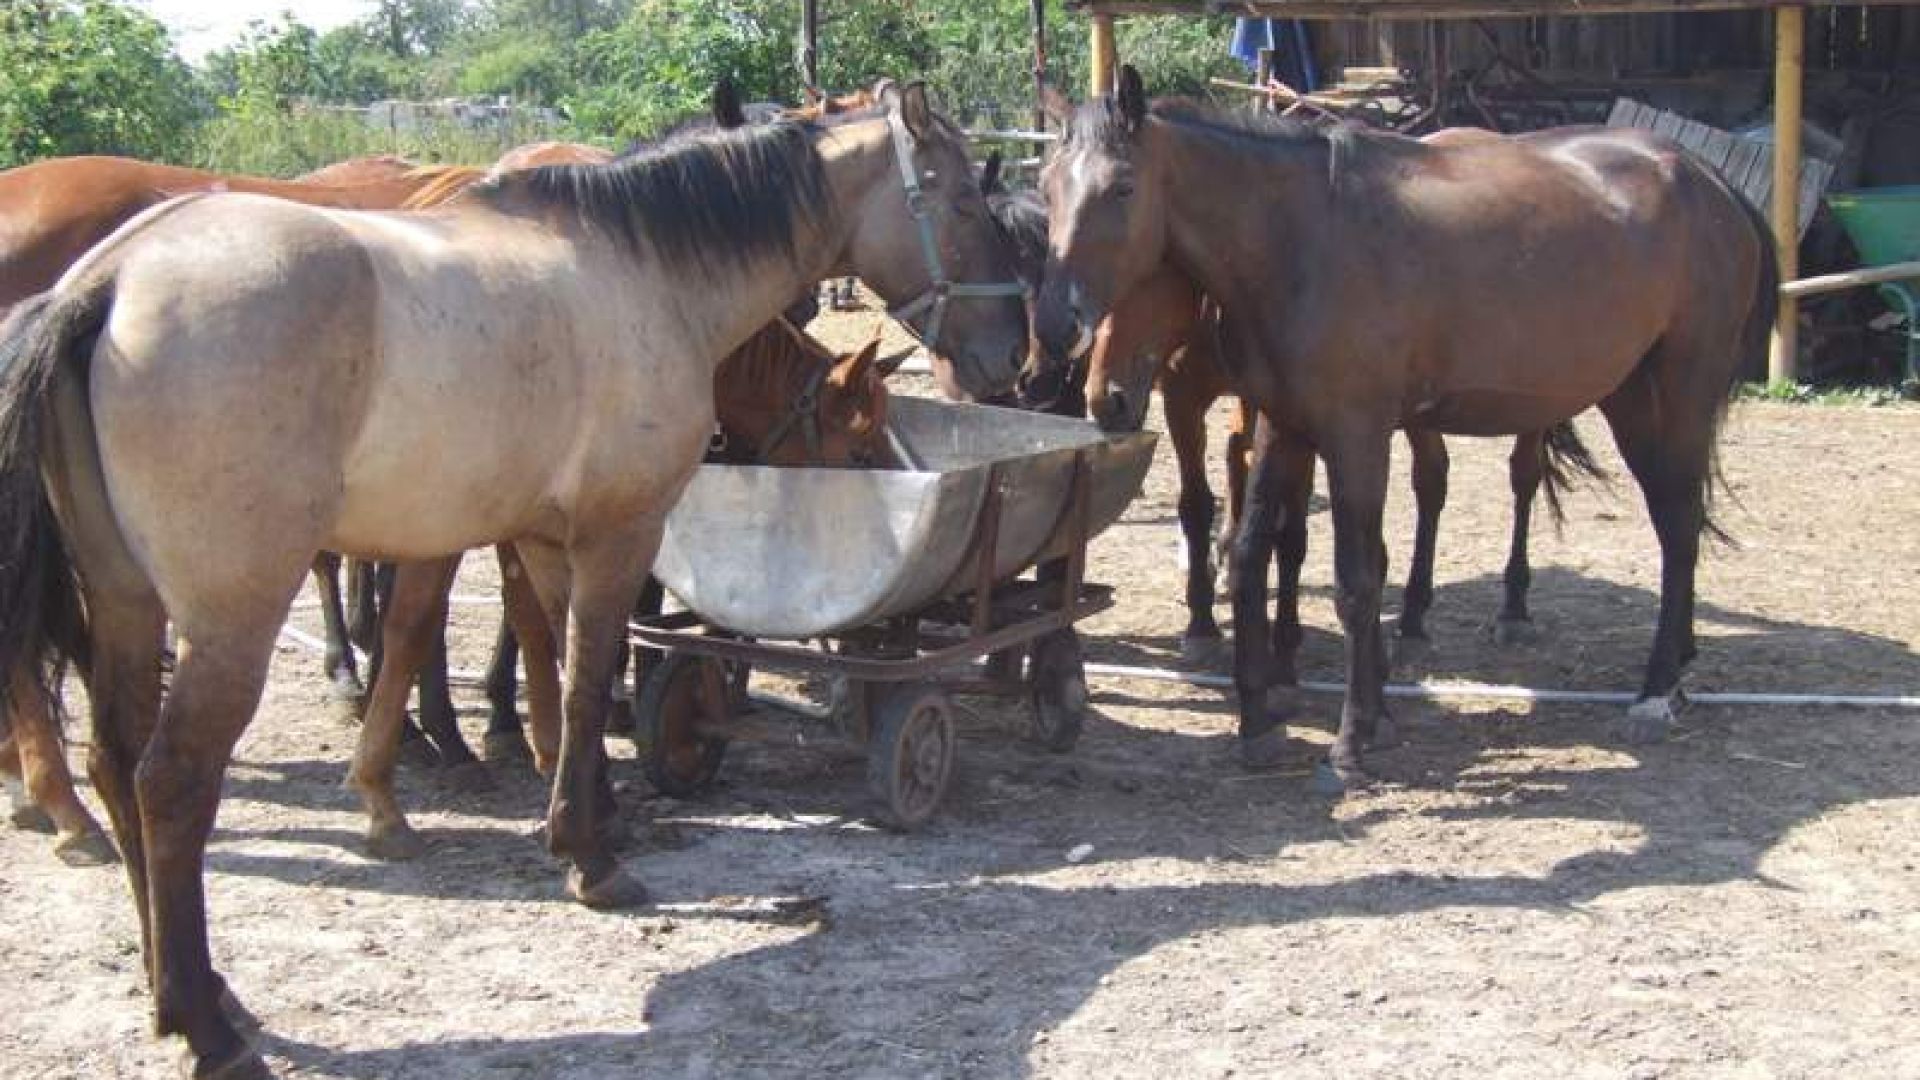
1292,49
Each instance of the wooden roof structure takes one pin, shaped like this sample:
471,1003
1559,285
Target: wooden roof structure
1789,72
1428,9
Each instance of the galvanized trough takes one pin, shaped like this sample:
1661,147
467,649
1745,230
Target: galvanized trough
796,553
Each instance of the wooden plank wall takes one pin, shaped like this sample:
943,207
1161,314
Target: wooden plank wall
1623,46
1747,165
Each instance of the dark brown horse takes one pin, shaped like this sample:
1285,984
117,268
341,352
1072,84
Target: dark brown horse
1164,335
1372,282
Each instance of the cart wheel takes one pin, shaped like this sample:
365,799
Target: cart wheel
910,754
682,691
1058,677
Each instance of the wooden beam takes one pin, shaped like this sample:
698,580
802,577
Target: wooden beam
1425,9
1102,59
1789,73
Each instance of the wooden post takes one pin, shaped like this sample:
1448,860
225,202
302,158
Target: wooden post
1789,64
810,43
1039,64
1101,61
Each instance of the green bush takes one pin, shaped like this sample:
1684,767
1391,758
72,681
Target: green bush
91,77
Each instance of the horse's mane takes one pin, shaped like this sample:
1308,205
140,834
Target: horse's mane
718,197
1100,124
443,182
1022,217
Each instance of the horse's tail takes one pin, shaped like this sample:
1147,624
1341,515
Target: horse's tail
44,343
1755,340
1566,461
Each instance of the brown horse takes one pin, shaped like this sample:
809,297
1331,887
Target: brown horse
55,210
373,169
535,365
1165,334
1497,286
782,398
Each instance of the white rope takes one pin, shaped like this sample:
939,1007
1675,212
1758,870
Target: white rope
1491,691
1422,691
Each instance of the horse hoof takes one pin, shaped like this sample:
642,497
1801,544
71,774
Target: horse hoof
243,1064
1508,633
345,688
1272,750
1203,653
467,778
613,891
1283,700
1386,735
1648,721
1339,774
236,1013
507,747
419,754
1411,648
29,818
395,843
83,849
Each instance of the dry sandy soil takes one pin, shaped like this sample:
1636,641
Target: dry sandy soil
1520,896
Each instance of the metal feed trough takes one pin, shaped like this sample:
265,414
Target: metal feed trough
891,581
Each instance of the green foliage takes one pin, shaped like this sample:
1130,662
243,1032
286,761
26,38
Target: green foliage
288,144
90,77
1796,393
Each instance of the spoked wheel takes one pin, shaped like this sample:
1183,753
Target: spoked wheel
683,692
910,754
1058,677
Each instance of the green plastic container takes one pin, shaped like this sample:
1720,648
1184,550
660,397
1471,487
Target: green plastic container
1884,222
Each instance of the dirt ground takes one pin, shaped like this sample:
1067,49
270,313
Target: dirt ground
1520,897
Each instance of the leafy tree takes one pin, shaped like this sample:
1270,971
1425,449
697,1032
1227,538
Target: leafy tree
90,76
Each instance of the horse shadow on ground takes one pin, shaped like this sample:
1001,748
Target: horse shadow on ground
931,936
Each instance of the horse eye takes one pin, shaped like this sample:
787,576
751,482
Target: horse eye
1124,189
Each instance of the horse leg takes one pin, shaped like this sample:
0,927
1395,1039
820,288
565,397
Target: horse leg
342,673
415,748
1294,481
606,574
49,785
217,683
1526,467
1263,741
1240,433
528,624
1430,465
653,600
1201,645
1357,482
504,740
437,717
1669,458
418,600
363,605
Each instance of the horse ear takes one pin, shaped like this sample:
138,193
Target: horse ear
727,110
1132,94
990,175
915,110
890,363
853,370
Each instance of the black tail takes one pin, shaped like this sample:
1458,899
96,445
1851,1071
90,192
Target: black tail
1755,340
43,341
1566,461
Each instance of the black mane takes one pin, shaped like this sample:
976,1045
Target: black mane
715,198
1022,217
